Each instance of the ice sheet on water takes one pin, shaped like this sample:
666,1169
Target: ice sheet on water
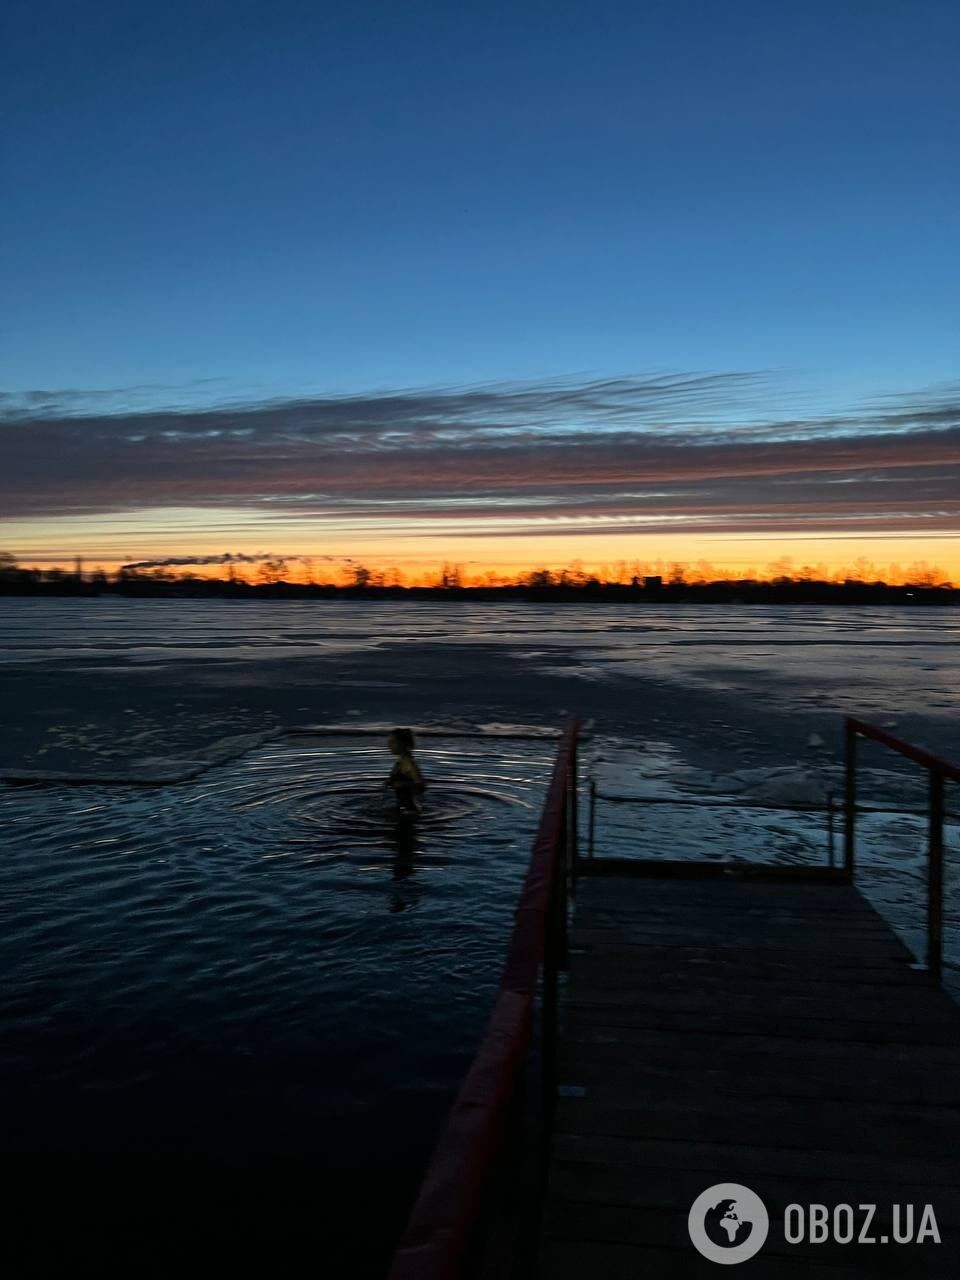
653,768
656,767
494,729
447,727
788,785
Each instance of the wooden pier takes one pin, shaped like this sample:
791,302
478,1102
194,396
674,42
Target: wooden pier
758,1025
768,1032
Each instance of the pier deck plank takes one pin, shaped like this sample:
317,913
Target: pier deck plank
770,1034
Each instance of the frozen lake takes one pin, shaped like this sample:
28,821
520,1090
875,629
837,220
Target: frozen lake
870,660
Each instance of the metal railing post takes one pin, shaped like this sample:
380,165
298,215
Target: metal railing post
573,810
548,1028
561,881
935,878
592,821
850,802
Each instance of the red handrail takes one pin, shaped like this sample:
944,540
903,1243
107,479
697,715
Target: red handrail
448,1207
938,771
917,754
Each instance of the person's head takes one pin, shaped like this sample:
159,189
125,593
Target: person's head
401,742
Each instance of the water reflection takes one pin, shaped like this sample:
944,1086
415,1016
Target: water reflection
264,942
404,890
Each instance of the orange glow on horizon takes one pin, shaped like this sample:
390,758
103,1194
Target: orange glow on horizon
912,564
330,553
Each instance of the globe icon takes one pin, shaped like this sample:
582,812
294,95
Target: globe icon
728,1223
725,1224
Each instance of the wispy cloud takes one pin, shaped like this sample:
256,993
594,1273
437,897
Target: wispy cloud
671,451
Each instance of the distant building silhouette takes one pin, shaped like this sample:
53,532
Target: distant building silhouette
653,583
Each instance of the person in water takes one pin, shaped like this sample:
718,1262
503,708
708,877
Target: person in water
405,780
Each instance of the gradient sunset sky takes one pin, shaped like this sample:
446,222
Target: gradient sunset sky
504,285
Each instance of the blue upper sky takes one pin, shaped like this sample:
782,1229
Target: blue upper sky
288,197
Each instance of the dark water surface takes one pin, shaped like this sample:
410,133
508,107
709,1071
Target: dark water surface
236,1009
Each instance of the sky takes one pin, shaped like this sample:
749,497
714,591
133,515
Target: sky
499,284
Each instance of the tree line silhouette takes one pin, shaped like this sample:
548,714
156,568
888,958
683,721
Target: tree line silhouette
861,582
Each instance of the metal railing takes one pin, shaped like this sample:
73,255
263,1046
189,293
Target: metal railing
453,1205
938,772
706,802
